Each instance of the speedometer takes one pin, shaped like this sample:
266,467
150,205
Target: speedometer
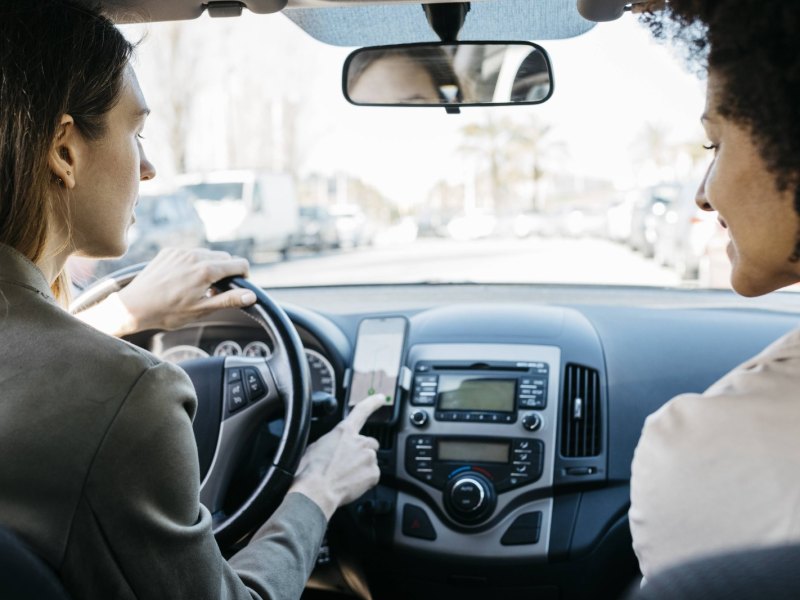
323,377
177,354
257,350
228,348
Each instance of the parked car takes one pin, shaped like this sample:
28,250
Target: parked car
352,227
650,206
245,212
682,233
317,229
162,221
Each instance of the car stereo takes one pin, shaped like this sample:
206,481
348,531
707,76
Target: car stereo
481,393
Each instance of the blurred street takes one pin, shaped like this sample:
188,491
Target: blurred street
532,260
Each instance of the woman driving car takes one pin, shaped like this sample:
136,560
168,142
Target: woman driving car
708,474
104,483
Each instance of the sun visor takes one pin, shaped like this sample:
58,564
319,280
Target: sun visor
145,11
377,25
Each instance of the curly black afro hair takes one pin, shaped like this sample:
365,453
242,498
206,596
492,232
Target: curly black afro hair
754,45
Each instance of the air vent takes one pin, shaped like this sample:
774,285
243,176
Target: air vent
384,435
580,412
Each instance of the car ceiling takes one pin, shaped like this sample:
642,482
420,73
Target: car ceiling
366,23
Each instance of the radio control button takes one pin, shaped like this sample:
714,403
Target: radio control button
418,418
423,379
423,400
526,402
532,422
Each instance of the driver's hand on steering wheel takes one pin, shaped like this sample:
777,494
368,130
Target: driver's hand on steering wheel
171,291
341,465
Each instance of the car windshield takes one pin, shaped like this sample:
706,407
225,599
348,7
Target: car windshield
595,186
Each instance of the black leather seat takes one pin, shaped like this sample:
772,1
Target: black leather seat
23,575
771,573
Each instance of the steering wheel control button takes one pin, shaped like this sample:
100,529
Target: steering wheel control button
418,418
469,498
416,523
532,422
236,397
254,385
233,375
524,530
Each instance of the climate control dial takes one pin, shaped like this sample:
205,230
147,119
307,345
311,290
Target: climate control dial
469,498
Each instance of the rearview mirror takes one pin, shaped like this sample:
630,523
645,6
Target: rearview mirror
448,74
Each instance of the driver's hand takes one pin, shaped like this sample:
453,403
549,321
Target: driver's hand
173,289
341,465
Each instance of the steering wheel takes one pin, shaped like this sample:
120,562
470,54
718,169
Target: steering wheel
235,396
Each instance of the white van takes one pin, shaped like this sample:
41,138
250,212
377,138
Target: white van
245,212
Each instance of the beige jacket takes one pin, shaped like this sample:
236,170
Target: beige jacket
99,469
721,470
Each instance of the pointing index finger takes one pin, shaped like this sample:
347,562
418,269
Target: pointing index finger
361,411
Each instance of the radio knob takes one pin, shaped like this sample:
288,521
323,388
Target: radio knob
418,418
532,422
469,498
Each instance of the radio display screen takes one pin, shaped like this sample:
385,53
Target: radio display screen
471,393
474,451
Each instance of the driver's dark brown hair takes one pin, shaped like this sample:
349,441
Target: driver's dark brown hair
57,57
754,45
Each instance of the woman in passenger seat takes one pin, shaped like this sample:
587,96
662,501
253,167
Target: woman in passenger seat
718,471
100,471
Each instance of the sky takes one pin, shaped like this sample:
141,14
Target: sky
609,84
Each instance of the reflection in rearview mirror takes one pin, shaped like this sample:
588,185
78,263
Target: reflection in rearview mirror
453,74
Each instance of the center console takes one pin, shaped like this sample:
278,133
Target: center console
476,446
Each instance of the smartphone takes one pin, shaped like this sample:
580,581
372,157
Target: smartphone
376,365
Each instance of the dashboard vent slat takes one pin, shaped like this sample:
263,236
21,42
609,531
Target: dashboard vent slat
384,435
580,412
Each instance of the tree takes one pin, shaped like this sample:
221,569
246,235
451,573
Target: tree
516,153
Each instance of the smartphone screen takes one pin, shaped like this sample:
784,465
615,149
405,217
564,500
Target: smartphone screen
376,365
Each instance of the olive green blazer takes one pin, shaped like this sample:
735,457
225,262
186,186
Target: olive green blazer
99,470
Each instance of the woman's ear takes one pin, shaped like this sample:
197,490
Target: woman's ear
63,153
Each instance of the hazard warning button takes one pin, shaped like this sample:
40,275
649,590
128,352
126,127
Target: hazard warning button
416,523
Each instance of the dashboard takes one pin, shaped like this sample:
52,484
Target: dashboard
231,338
506,470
